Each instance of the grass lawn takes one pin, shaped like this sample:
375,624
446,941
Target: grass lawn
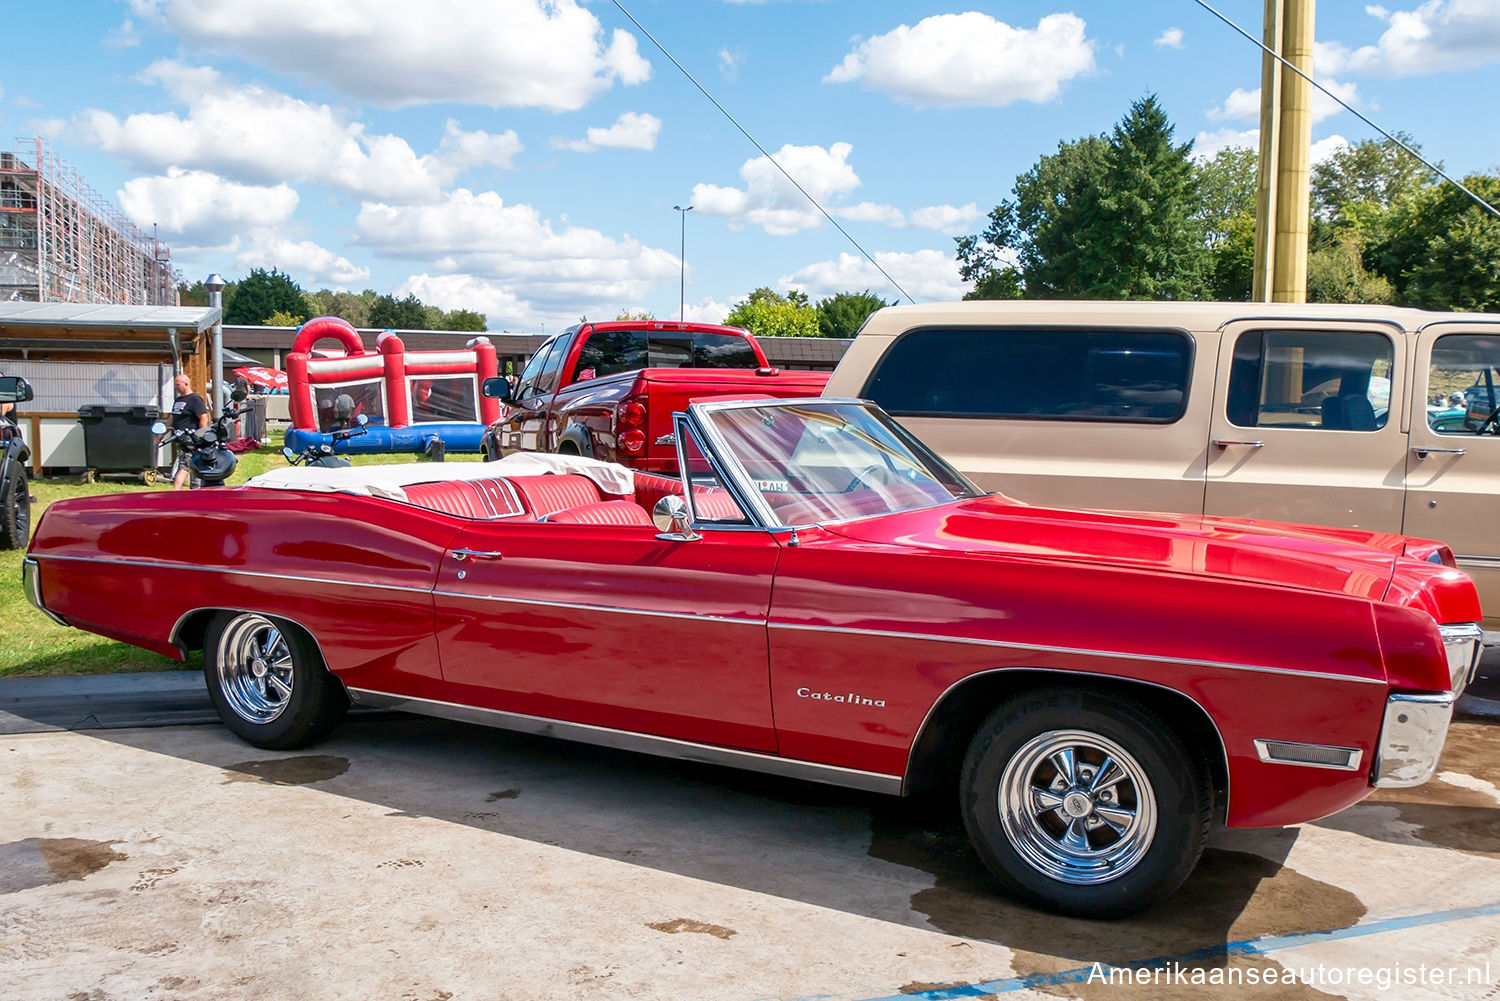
32,645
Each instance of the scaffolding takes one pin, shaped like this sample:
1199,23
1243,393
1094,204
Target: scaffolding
61,241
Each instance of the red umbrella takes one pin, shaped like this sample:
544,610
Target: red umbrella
259,375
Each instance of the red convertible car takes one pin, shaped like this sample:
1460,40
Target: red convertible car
817,596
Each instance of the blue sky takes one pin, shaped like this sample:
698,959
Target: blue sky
522,158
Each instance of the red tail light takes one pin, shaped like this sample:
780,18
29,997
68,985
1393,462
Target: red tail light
633,442
633,414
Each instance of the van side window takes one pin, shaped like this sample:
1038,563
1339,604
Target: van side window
1464,384
1310,379
1054,373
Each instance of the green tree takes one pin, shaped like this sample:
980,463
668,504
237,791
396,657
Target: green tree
766,313
1105,217
282,318
638,315
1371,172
1440,250
464,319
262,293
1337,273
1226,191
843,313
389,313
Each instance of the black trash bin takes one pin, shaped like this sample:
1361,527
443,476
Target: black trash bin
117,438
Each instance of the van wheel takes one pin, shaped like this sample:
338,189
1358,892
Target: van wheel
15,508
268,682
1084,802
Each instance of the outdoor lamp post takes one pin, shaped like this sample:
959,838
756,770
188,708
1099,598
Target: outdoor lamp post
215,286
682,259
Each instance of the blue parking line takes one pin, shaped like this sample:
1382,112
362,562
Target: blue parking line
1247,947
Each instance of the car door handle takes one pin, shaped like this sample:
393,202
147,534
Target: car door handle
1423,451
1224,443
473,554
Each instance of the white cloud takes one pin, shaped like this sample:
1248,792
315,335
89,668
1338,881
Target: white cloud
707,311
1244,105
254,134
970,59
303,259
499,305
1325,148
1207,145
925,274
551,54
950,219
196,206
481,236
1438,36
872,212
1169,39
770,200
631,130
1240,106
730,62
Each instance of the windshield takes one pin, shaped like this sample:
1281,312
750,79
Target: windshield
814,462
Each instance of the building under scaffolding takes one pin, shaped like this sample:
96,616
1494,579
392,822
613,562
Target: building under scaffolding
61,241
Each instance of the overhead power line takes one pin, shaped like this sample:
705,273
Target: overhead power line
693,80
1347,107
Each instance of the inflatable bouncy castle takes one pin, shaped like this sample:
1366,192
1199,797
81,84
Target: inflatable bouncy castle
410,398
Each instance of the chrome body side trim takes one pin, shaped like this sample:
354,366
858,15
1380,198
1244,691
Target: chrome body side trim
1476,562
1291,752
31,583
1463,642
667,747
1411,739
173,636
157,565
1081,652
612,609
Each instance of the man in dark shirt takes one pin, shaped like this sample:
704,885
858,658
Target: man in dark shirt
188,412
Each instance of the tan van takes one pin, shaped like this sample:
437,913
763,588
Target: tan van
1321,414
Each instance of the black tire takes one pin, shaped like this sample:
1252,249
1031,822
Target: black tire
1148,821
268,682
568,448
15,508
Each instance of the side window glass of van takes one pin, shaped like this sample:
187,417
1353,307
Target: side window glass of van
1464,384
1333,381
1125,376
608,352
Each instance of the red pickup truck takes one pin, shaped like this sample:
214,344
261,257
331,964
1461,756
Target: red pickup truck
608,390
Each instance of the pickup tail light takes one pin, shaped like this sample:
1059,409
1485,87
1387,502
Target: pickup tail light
630,425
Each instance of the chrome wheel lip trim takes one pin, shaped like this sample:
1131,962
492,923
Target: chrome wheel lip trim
242,646
1044,851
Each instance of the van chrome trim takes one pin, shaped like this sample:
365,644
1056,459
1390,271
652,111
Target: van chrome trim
1079,651
626,740
1477,562
1292,752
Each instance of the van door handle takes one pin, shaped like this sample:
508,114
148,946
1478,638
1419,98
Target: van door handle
1423,451
473,554
1224,443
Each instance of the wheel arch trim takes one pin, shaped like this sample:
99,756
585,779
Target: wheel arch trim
175,637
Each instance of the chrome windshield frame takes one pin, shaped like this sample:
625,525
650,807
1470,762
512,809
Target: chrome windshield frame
738,479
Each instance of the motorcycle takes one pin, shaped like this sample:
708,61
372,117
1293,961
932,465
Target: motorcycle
204,450
323,454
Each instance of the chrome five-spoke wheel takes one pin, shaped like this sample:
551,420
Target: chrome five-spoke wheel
255,668
1077,806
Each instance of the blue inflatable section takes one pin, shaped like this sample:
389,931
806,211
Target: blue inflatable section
458,436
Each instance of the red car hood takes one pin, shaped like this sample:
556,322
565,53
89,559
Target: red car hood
1348,561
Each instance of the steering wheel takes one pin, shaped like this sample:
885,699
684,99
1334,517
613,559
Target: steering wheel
1491,424
875,475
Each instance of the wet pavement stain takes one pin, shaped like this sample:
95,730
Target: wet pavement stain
1232,896
44,861
502,794
1464,818
678,925
301,770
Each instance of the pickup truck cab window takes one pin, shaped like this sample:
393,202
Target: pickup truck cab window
1328,380
1056,373
526,386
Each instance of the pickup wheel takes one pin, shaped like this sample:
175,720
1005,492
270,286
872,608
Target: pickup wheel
1084,802
268,682
15,508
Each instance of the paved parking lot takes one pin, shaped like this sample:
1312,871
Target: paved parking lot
424,860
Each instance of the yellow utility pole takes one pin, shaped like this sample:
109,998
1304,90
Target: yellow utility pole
1281,218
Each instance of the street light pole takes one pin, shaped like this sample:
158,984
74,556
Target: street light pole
682,259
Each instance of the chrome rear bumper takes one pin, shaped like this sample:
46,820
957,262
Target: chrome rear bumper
1411,739
31,583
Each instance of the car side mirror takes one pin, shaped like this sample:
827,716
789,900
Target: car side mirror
238,395
361,420
496,387
286,450
14,389
158,428
671,516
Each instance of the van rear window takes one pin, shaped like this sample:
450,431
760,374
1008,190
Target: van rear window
1049,374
